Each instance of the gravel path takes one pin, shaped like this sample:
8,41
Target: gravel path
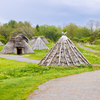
89,49
84,86
19,58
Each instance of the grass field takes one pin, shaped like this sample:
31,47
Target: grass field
39,54
93,58
1,47
19,79
94,47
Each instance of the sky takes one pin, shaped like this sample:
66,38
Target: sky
50,12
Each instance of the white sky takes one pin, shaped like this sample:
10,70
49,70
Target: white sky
51,12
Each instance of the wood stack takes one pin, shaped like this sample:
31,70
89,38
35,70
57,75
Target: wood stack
64,53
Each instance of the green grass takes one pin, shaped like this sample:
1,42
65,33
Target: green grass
39,54
19,79
1,47
93,58
94,47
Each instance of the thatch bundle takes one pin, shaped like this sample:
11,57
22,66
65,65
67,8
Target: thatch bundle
64,53
39,44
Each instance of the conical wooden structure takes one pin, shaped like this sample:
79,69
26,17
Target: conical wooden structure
64,53
44,40
32,41
17,45
1,43
39,44
35,38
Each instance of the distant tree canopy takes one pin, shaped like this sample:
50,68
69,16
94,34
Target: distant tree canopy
74,32
51,32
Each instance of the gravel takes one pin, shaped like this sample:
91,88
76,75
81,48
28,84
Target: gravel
84,86
19,58
95,51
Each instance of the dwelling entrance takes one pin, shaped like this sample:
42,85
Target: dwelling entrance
19,51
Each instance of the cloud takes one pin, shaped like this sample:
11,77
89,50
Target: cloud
49,11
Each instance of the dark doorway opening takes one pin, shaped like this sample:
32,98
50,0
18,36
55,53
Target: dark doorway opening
19,51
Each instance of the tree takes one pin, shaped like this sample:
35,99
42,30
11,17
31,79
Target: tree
11,23
37,27
70,29
97,24
91,24
51,32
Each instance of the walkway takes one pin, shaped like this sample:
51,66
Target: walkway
19,58
89,49
84,86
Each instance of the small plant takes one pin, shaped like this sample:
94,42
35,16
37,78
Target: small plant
89,66
80,65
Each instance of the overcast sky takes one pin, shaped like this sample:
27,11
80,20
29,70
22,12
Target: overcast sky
51,12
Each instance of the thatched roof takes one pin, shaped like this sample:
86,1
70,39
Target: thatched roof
64,53
39,44
24,37
17,42
35,38
44,40
1,43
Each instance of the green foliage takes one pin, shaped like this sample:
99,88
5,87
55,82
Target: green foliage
76,39
84,66
74,32
37,28
11,23
2,39
50,32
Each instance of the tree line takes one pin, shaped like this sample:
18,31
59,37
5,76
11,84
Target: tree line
76,33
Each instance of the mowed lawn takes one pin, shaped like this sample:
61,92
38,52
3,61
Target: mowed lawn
19,79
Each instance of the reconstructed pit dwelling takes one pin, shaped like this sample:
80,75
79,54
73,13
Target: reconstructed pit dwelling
39,45
18,45
35,38
64,53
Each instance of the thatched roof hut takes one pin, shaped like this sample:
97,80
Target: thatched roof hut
17,45
39,44
44,40
35,38
1,43
64,53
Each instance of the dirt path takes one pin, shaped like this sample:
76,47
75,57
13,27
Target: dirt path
19,58
89,49
84,86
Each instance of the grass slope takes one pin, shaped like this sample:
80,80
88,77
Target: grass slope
93,58
1,47
39,54
18,79
94,47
